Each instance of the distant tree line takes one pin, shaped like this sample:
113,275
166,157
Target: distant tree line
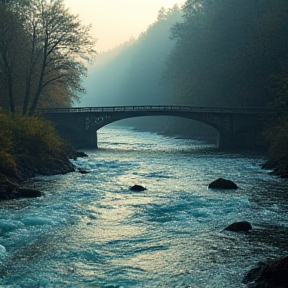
143,83
42,52
131,74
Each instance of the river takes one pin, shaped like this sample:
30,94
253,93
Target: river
90,230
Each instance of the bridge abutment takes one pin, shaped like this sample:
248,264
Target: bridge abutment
87,139
75,128
241,139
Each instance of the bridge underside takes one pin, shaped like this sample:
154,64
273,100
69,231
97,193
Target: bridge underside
80,129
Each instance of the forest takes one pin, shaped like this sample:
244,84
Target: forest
234,53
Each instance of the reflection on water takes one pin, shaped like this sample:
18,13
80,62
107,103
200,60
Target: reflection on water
90,230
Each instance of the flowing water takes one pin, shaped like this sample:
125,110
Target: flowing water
90,230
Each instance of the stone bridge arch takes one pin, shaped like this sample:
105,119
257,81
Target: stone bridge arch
79,126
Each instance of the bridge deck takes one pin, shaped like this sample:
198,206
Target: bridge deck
155,108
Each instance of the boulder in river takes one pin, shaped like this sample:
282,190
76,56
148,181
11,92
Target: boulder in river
221,183
242,226
268,275
28,193
137,188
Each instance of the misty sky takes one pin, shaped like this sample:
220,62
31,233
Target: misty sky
116,21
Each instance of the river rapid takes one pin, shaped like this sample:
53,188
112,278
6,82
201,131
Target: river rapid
90,230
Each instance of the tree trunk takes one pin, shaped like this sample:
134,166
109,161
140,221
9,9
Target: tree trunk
40,82
26,96
11,96
29,77
39,89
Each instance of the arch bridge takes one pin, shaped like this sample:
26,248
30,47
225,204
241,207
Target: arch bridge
79,126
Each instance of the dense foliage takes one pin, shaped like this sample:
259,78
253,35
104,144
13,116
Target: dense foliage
228,52
23,137
42,52
233,53
277,124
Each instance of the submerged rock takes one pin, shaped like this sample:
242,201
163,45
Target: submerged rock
268,275
81,171
242,226
221,183
137,188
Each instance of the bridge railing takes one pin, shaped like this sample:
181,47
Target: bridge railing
153,108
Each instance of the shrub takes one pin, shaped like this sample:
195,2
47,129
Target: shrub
8,165
6,133
24,136
34,136
279,141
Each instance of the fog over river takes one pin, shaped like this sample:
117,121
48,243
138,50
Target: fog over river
90,230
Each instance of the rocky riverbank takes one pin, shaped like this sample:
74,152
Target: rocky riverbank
28,166
268,275
30,146
279,167
272,274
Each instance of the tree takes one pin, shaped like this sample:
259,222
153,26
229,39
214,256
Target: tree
277,124
59,44
56,48
12,47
